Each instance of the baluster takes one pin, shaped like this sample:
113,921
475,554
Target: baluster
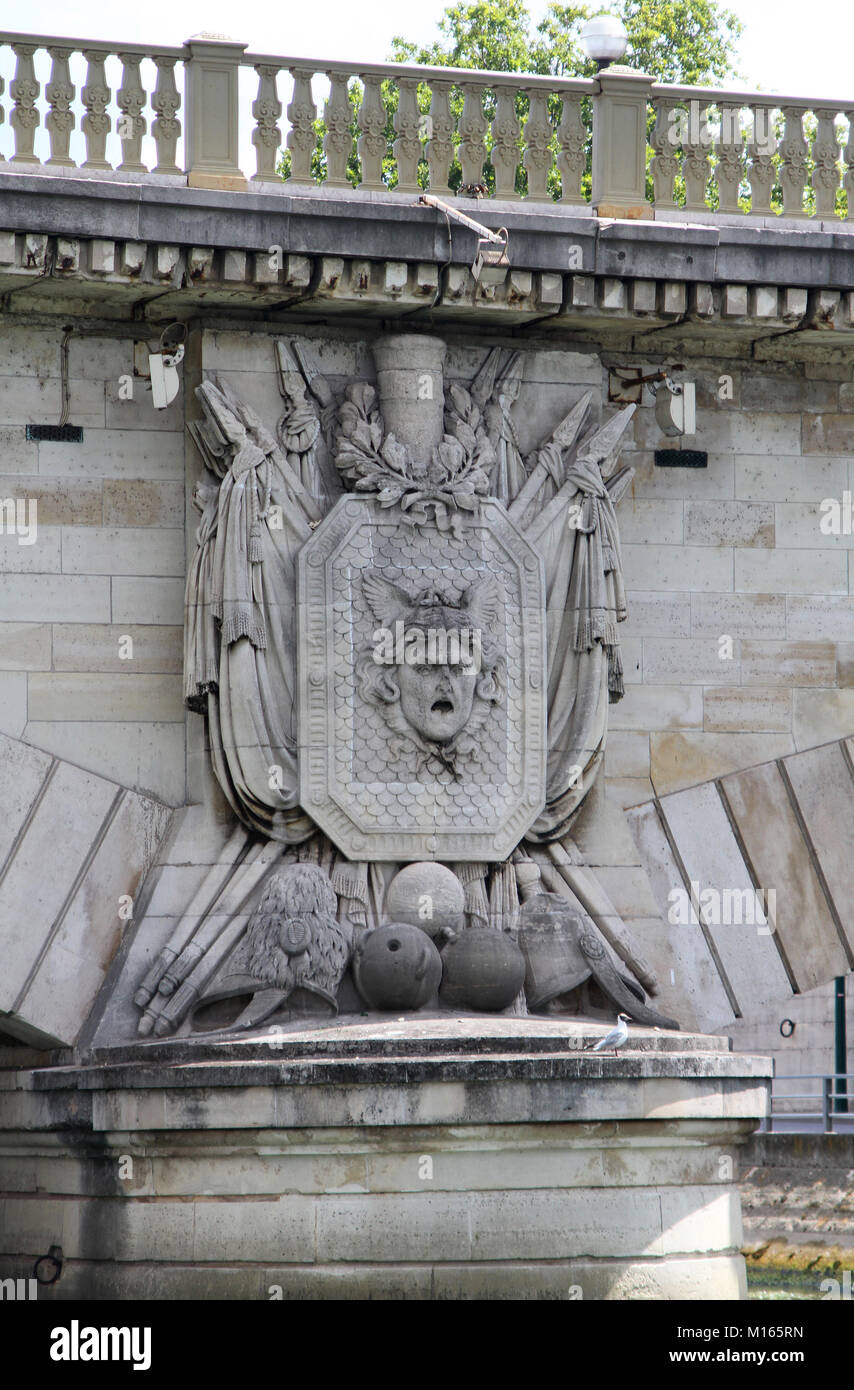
60,118
302,136
505,142
472,132
2,116
338,141
166,127
372,143
539,155
572,143
729,171
440,149
793,175
825,153
24,89
848,180
762,173
407,147
266,137
695,159
665,139
132,124
96,122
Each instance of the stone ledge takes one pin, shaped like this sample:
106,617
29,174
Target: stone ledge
119,278
397,227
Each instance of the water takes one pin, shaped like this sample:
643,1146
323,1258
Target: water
785,1285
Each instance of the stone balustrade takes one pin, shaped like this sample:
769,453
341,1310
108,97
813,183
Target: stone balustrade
733,148
103,109
657,150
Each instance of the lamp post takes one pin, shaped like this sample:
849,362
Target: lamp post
604,39
619,123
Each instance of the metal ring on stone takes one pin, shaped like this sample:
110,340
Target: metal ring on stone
51,1260
787,1028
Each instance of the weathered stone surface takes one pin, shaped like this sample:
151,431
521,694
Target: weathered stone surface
649,707
25,646
123,550
116,453
820,716
738,615
96,647
788,663
773,841
65,984
730,523
76,695
827,434
143,502
736,924
793,571
658,615
652,567
651,522
824,790
772,478
145,756
56,598
758,710
811,619
627,755
13,702
60,832
59,503
156,601
685,759
700,661
686,971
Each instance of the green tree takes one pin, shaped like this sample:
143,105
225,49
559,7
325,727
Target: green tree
493,35
689,41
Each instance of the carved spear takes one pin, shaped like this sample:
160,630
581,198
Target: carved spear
564,437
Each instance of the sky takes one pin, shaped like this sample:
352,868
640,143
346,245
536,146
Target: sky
787,46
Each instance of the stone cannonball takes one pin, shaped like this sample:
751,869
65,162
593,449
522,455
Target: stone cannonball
428,896
482,969
397,967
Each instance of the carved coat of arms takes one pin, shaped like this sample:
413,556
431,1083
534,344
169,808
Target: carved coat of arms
404,637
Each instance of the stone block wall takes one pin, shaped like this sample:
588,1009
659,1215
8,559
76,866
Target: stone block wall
733,551
107,564
736,550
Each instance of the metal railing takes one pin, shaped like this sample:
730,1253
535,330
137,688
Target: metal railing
831,1105
634,147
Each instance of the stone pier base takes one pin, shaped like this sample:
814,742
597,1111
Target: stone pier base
425,1158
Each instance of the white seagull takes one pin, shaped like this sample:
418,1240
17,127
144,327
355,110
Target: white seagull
616,1037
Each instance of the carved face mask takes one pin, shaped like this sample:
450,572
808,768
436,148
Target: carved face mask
437,700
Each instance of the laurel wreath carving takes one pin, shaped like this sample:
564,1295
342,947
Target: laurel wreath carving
456,476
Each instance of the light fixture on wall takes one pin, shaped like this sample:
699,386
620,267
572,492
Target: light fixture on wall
491,262
676,407
162,365
604,39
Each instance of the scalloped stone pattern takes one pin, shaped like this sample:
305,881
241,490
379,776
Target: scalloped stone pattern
359,781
